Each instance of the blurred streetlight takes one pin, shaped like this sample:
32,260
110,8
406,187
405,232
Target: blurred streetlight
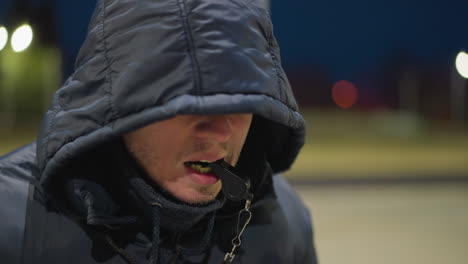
3,37
21,38
458,87
344,94
461,62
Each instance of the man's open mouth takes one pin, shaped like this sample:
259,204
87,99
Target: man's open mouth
199,166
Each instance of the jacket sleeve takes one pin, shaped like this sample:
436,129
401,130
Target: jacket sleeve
15,170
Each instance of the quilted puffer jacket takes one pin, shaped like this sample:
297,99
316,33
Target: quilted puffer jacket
66,199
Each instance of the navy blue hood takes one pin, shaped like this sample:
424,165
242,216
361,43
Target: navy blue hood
144,61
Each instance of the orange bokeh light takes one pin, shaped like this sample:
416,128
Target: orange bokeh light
344,94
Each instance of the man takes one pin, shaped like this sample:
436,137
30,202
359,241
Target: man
163,146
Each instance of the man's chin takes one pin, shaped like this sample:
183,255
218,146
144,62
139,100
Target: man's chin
197,200
193,197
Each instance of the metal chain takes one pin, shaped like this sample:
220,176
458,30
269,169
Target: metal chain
236,241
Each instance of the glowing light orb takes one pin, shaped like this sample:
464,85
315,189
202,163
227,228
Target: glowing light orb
344,94
461,63
21,38
3,37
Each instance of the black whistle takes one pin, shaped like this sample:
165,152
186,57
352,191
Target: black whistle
234,187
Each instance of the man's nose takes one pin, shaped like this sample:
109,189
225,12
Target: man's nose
217,128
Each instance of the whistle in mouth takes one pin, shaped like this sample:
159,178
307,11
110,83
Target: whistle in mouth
234,187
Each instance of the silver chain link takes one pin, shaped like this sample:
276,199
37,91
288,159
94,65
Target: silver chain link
236,241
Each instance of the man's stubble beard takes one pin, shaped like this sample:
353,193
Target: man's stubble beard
149,162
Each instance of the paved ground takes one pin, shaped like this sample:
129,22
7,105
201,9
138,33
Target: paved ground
404,224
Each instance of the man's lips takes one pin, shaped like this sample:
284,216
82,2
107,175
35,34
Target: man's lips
208,178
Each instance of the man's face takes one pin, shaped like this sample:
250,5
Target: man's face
164,148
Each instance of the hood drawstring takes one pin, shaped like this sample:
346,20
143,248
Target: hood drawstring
183,251
204,241
156,230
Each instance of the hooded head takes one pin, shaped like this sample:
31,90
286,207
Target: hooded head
147,61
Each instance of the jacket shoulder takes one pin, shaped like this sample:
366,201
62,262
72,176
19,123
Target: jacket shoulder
299,222
290,200
16,171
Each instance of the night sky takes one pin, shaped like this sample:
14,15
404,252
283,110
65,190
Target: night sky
343,38
349,37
